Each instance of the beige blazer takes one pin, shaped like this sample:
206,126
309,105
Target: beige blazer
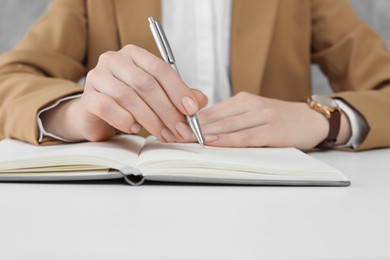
273,43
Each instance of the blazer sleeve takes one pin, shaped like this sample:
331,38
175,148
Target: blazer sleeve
357,63
42,68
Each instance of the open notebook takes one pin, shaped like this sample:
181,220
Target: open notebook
137,159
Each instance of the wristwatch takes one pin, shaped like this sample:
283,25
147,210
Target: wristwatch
329,108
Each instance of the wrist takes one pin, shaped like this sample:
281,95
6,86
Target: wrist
345,132
61,119
339,129
318,124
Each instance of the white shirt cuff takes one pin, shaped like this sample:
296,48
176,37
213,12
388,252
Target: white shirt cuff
359,126
42,131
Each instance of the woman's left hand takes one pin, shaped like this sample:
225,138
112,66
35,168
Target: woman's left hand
247,120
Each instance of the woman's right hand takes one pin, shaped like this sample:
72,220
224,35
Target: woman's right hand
127,90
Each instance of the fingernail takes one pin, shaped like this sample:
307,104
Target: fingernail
167,135
184,130
190,105
135,128
211,138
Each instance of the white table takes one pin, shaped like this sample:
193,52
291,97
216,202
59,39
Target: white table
114,221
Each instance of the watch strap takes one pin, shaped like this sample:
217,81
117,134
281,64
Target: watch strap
334,128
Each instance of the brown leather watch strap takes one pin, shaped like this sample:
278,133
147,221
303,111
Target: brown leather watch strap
334,128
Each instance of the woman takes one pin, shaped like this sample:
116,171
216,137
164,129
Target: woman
260,54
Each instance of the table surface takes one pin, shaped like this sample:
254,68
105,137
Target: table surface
110,220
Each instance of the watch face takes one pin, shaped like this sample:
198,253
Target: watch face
324,101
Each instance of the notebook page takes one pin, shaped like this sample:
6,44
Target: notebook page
177,159
119,152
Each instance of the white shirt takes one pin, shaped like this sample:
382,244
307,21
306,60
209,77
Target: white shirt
199,34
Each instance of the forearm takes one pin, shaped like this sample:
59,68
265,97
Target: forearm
22,96
373,106
58,121
71,122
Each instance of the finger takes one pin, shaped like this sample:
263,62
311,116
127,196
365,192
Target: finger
149,90
225,109
252,137
200,97
109,111
127,98
235,123
178,92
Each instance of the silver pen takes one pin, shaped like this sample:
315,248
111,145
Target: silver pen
167,55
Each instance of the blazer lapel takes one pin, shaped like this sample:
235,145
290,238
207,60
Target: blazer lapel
132,20
252,27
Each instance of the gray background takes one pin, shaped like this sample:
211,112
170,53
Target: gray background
16,16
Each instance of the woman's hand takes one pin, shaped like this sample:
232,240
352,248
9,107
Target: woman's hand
248,120
127,90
